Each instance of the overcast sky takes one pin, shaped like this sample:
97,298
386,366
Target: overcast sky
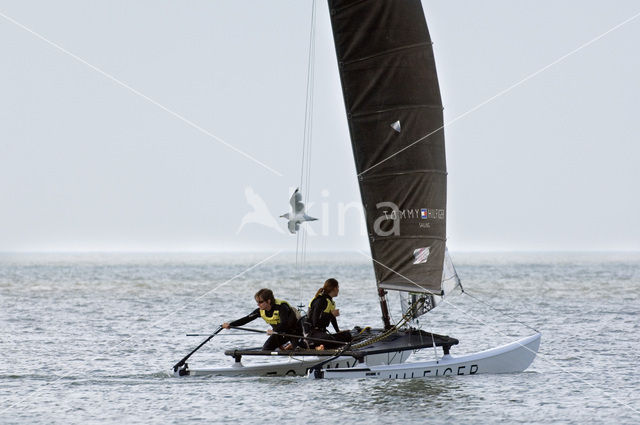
88,164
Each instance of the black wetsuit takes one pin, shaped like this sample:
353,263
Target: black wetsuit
287,325
319,321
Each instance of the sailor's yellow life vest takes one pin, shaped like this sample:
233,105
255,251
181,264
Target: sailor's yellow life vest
331,305
275,318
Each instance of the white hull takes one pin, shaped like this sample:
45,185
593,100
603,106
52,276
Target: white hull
298,366
513,357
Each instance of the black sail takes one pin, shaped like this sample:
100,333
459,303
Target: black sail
392,99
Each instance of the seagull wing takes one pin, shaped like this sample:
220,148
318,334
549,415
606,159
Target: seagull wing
292,200
296,202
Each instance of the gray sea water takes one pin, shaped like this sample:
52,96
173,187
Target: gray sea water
90,338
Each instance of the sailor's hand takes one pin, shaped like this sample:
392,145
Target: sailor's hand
269,331
225,325
335,312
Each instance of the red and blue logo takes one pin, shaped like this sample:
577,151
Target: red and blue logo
423,213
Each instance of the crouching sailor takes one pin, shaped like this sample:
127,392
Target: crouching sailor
277,313
322,312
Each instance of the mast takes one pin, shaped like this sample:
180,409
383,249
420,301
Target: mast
395,116
386,319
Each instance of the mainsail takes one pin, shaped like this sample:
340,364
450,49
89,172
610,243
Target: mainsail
394,110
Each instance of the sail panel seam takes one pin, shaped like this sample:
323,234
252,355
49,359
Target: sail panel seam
388,52
396,108
402,288
404,173
395,237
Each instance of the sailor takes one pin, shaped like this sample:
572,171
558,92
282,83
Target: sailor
322,312
277,313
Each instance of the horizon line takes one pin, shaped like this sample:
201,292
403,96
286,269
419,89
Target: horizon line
214,251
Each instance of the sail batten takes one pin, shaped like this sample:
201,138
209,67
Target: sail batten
388,52
376,176
381,238
395,116
396,108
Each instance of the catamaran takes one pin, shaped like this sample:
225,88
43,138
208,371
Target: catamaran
395,117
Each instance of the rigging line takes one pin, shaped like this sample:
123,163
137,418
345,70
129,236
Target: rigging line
540,355
309,147
306,108
311,102
300,249
34,392
507,90
455,272
142,95
297,266
305,252
297,251
501,312
300,240
304,243
299,262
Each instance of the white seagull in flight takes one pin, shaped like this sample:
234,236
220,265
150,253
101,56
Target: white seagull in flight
297,214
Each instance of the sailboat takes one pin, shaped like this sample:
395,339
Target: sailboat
395,117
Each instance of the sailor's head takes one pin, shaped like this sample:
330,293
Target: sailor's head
264,299
331,287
